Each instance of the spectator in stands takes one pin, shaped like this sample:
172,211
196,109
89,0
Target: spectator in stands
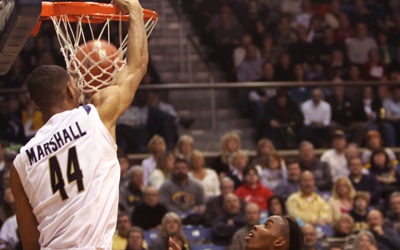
165,164
226,224
347,115
251,68
333,16
180,193
124,165
358,47
354,75
342,227
344,31
360,211
300,94
316,30
270,50
310,237
324,47
335,157
274,172
207,177
276,206
280,113
156,147
284,35
386,238
393,32
264,147
252,190
364,182
130,195
239,53
230,143
307,205
319,169
214,205
292,185
395,63
7,208
252,216
135,239
342,198
284,68
170,224
317,118
11,128
185,147
392,108
301,50
394,213
304,17
363,15
239,161
373,69
3,146
387,174
149,214
119,238
374,141
9,235
365,241
387,52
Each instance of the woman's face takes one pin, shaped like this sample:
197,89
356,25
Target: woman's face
374,142
361,204
379,160
345,226
365,242
232,145
251,178
342,188
273,163
186,147
197,162
276,207
170,162
265,149
157,146
171,225
240,163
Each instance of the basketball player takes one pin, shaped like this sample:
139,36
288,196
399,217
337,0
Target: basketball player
277,233
65,180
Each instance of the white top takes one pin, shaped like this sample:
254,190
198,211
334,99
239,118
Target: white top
304,19
392,108
358,49
210,183
316,113
335,161
70,174
8,232
156,178
148,165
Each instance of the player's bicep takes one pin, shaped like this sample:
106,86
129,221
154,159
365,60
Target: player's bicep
27,223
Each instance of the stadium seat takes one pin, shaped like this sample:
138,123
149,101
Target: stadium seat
264,214
197,233
149,236
325,195
327,230
207,247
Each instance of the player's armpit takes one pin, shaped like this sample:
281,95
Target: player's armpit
27,223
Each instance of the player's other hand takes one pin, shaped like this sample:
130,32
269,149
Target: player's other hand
173,245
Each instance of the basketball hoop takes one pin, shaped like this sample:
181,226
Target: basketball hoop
85,14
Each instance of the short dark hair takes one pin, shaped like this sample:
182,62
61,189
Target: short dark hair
136,230
179,160
247,170
46,85
292,161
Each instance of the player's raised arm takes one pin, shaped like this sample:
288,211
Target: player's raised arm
112,101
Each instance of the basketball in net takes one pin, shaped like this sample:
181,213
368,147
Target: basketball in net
97,61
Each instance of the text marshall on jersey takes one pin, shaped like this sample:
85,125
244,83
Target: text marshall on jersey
58,140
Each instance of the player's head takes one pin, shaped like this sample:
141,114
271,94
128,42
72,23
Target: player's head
51,86
277,233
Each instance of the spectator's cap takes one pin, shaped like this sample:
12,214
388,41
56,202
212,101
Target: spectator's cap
338,133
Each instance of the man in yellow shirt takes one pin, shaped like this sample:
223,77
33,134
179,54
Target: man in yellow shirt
123,226
307,205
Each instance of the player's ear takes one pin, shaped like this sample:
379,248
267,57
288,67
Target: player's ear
70,91
280,242
34,104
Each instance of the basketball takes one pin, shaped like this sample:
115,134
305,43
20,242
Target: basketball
97,60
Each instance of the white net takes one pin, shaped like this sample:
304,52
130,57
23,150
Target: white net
92,69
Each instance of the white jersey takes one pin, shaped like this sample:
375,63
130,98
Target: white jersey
70,174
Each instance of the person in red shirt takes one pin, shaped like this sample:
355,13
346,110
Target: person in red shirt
252,191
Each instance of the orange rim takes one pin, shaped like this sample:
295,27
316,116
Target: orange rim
96,12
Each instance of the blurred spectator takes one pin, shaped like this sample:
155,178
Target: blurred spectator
363,15
226,224
347,115
9,235
394,213
365,241
119,238
333,16
360,211
130,195
342,198
208,178
7,207
354,75
149,214
185,147
239,53
252,190
215,20
387,174
214,205
292,7
135,239
284,68
165,164
239,160
310,238
32,119
284,34
392,108
11,128
307,205
338,65
259,32
230,143
17,75
252,215
319,169
156,147
364,182
270,50
387,52
170,224
394,32
274,172
276,206
264,147
300,94
344,31
317,118
342,227
180,193
292,185
386,238
324,47
255,12
124,165
301,50
374,141
336,157
306,14
282,120
179,239
374,70
3,145
395,63
251,68
359,47
316,30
